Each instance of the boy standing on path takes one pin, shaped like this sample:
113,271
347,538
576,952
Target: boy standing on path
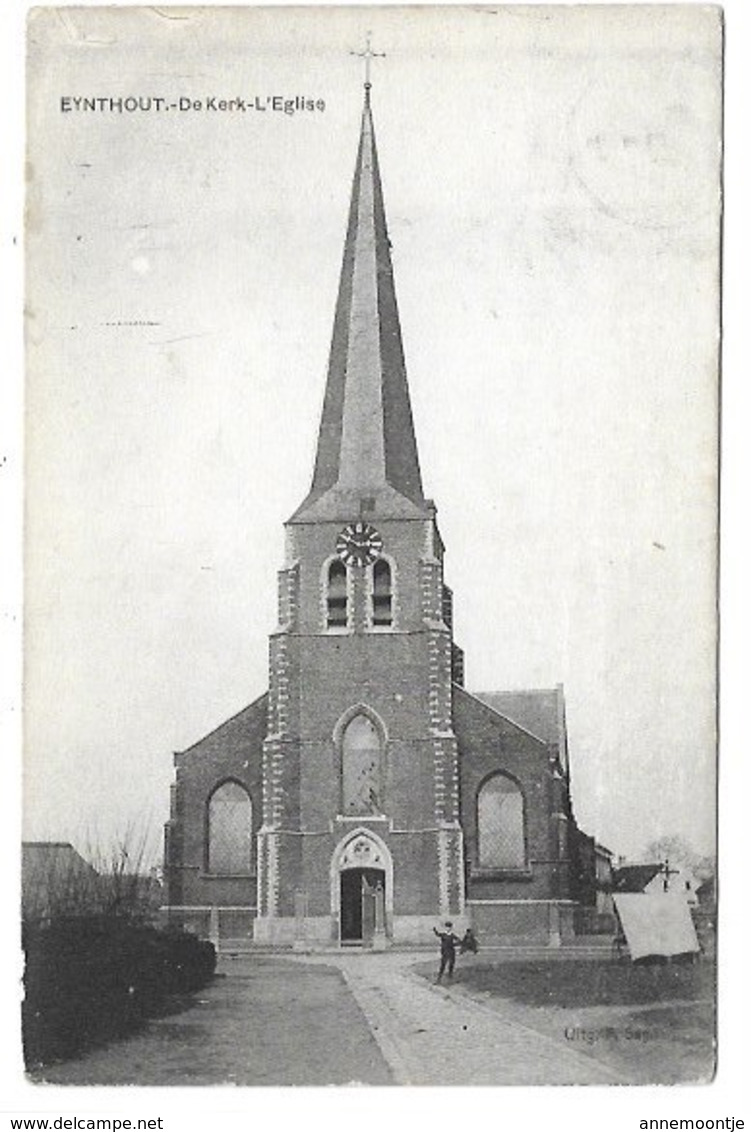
448,942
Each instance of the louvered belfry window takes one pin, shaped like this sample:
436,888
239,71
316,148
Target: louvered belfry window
229,830
382,594
500,824
337,597
360,767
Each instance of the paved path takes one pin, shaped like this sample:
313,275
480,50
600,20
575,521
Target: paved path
433,1035
334,1019
267,1022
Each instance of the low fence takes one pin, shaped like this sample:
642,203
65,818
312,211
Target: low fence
212,922
588,921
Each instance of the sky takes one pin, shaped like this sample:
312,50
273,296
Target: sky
551,184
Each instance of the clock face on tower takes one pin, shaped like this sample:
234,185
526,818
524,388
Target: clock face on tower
359,544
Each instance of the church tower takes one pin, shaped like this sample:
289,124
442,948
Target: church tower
367,794
360,830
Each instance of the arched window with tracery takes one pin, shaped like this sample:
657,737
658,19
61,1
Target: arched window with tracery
229,830
361,750
337,596
382,594
500,823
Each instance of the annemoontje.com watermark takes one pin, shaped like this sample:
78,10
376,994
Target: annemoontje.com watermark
186,104
87,1123
729,1122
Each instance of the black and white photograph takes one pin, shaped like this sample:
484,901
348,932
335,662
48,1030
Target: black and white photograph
371,546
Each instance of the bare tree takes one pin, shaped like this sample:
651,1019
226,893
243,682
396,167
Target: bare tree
677,851
114,881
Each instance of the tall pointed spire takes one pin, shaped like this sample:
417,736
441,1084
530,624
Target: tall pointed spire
366,445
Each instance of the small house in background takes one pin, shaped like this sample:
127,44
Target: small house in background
603,866
633,878
592,885
656,878
55,879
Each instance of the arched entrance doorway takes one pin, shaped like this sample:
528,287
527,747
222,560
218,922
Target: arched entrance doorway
362,890
362,905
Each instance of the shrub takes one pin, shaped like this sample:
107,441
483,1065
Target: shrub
91,978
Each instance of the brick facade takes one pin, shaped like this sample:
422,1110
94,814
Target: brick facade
433,769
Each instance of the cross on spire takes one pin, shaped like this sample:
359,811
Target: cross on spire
367,55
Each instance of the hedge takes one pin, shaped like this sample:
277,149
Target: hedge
89,979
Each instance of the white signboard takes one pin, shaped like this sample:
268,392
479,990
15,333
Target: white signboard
656,923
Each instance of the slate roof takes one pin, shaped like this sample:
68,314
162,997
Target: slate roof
38,856
634,878
250,718
537,710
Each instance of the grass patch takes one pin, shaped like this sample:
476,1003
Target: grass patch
574,983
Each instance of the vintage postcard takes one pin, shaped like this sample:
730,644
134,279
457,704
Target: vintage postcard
371,545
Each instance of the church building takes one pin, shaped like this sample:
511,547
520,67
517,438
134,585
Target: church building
367,795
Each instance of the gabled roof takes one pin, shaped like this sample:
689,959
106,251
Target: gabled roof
634,878
473,698
251,717
537,710
366,447
44,856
